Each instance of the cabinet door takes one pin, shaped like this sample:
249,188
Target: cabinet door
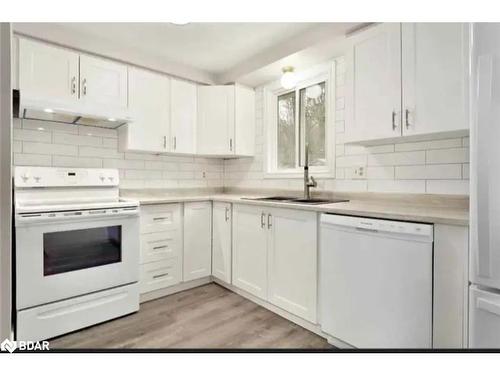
183,116
250,249
103,83
197,240
215,135
373,84
244,130
149,99
221,241
293,261
435,77
48,73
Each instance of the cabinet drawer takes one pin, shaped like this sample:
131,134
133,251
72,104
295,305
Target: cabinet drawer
158,275
160,245
160,218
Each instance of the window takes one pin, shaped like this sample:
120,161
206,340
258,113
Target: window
298,120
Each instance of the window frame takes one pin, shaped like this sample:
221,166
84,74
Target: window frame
271,92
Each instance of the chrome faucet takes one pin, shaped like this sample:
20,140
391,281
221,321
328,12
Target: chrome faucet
309,182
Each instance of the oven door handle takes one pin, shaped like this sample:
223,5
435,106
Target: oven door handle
83,215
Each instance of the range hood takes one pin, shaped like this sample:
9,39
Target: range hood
75,114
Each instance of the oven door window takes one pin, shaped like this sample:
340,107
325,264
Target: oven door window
79,249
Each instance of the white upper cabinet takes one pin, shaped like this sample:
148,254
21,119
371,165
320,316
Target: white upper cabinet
103,82
435,77
183,108
244,127
215,120
221,241
149,99
407,79
226,120
197,240
48,72
373,89
65,78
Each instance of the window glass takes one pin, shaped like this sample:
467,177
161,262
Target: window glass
286,131
312,124
82,248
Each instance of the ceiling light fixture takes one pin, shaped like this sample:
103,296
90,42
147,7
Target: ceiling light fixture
48,110
112,119
179,23
288,79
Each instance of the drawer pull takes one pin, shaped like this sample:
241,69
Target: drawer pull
159,218
160,275
160,247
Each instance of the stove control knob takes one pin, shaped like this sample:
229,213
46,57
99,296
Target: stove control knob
37,178
101,176
25,176
110,178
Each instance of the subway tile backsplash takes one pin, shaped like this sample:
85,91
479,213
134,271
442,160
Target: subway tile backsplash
42,143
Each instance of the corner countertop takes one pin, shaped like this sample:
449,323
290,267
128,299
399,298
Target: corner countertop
383,209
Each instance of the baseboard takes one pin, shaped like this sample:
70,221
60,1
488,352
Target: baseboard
155,294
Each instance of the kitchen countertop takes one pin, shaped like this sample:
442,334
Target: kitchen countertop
384,209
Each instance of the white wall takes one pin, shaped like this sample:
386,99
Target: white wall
42,143
5,181
433,167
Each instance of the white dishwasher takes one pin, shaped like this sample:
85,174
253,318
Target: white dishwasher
376,282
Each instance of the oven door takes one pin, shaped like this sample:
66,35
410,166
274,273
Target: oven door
69,254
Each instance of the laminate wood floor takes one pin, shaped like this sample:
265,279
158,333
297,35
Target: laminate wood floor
208,316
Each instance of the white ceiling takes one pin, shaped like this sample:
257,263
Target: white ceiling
213,47
205,52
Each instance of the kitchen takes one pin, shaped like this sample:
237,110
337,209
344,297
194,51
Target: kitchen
267,197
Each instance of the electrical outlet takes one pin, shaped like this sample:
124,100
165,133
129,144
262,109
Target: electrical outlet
204,174
359,172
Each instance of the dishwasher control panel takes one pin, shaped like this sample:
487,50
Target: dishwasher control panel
378,225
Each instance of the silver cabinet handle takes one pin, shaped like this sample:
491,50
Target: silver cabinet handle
263,220
269,221
73,85
227,214
230,144
394,127
84,86
164,141
160,247
160,275
175,142
159,218
407,118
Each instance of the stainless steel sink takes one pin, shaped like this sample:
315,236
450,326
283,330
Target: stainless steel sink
292,200
277,199
318,201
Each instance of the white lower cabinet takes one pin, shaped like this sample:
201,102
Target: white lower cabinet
197,240
275,257
292,247
160,274
250,249
161,246
221,241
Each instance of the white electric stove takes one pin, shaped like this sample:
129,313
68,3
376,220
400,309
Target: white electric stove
77,250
